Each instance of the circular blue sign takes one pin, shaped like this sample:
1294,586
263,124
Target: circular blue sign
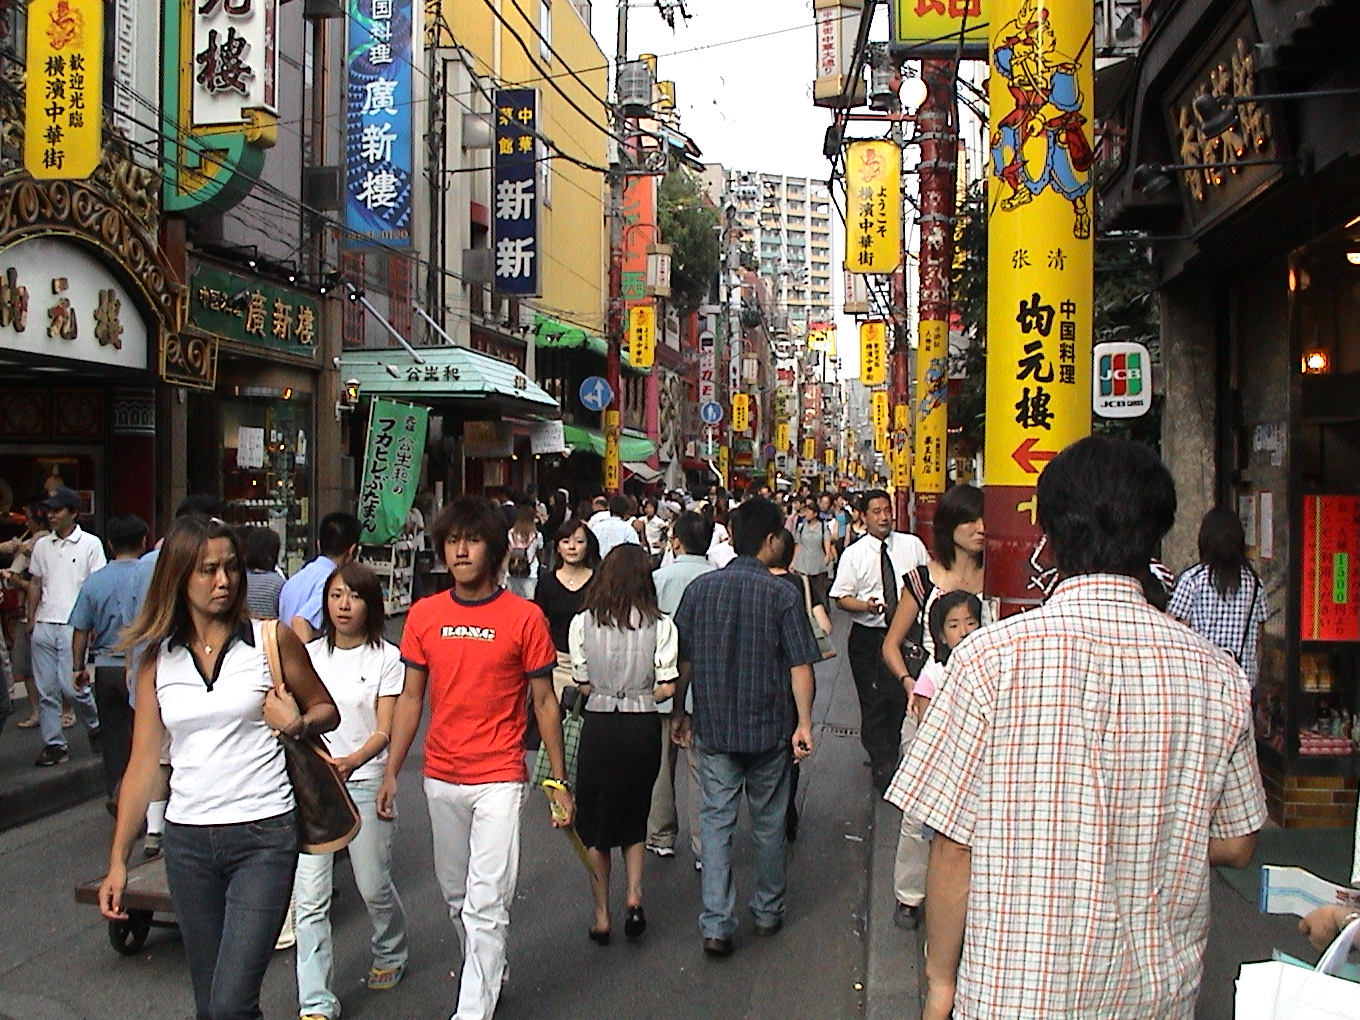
596,394
710,412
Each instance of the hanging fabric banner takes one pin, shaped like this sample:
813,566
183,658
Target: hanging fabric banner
396,444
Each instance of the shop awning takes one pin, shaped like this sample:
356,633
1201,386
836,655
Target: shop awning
642,472
632,449
550,333
445,373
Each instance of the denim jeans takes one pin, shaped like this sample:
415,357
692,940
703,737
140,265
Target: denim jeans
51,652
229,885
370,855
476,862
765,779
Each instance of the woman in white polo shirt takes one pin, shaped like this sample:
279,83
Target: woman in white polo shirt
231,837
364,675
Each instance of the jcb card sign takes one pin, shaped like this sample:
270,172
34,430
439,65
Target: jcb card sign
1123,380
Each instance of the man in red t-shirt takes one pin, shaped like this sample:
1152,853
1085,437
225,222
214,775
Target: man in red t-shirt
480,650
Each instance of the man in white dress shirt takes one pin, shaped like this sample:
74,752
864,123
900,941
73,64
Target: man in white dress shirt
860,590
615,529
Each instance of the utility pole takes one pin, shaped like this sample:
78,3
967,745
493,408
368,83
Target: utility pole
615,327
937,131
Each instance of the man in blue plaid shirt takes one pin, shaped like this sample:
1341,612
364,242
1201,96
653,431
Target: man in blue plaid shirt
747,647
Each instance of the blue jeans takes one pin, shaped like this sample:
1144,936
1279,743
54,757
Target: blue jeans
370,855
229,885
50,649
765,779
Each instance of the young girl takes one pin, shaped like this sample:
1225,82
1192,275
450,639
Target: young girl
953,617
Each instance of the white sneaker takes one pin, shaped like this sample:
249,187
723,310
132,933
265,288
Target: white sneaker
661,851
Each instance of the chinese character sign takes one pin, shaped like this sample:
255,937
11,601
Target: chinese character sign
873,214
234,60
642,335
934,26
931,412
873,352
741,412
379,160
1040,281
781,437
396,444
1330,605
514,199
64,102
880,415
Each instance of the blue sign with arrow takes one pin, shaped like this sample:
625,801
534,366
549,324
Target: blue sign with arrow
596,394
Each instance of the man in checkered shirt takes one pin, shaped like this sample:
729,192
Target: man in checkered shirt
1083,765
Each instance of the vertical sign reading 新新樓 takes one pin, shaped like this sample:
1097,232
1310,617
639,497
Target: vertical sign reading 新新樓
1039,282
63,105
514,197
1330,606
396,444
379,162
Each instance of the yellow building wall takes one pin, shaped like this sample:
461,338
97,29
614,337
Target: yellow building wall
573,230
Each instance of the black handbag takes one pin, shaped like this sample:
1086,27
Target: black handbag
326,814
914,648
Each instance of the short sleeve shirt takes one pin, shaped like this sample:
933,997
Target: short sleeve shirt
64,564
356,678
301,593
1086,752
109,601
860,573
479,657
1232,622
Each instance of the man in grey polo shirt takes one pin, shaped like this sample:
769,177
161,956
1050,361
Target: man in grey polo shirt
62,560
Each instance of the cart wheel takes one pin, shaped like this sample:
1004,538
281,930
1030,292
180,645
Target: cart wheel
129,936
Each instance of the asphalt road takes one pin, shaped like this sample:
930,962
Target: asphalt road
56,962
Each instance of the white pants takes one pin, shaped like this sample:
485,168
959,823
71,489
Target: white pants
913,852
476,861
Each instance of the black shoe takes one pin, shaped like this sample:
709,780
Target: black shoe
908,918
600,938
635,922
718,947
766,931
96,744
53,754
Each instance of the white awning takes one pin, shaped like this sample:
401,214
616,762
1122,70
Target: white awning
643,472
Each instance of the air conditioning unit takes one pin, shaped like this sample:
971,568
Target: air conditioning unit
322,187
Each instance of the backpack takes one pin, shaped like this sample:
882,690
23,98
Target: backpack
518,565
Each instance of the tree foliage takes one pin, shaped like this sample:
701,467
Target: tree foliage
689,224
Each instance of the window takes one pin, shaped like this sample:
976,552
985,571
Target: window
545,29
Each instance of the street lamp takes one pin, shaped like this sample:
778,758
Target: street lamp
1153,178
1218,114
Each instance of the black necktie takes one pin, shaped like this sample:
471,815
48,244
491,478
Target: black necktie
885,564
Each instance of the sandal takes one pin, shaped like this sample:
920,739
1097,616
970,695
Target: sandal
635,922
30,723
381,979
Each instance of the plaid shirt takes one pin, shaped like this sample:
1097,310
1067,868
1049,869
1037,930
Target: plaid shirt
1086,752
742,630
1230,623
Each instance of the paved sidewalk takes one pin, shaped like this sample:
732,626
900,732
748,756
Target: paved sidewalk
28,792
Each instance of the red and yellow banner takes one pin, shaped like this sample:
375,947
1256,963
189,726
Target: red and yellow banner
873,216
64,94
741,412
873,352
1040,281
642,335
1330,605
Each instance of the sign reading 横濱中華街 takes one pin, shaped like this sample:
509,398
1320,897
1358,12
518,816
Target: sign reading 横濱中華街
939,27
514,198
873,215
392,456
379,164
642,335
64,98
873,352
58,301
248,310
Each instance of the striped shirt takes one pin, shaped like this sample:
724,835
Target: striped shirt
1086,752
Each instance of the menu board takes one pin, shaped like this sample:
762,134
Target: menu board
1330,608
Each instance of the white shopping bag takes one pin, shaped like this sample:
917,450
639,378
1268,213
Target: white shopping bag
1282,991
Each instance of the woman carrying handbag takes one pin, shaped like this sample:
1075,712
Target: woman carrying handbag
364,675
231,838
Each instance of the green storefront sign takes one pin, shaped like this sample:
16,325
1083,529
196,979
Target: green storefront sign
251,311
396,444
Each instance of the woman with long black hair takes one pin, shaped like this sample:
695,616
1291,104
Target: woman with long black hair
623,656
1221,598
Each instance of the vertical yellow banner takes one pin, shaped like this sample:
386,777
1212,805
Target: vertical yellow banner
611,450
722,463
809,448
879,415
642,336
781,436
873,215
932,415
741,412
829,457
1040,280
873,352
64,92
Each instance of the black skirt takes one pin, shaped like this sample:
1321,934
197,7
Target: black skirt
617,765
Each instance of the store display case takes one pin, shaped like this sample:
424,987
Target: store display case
266,472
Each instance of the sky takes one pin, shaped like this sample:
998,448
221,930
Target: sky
743,90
